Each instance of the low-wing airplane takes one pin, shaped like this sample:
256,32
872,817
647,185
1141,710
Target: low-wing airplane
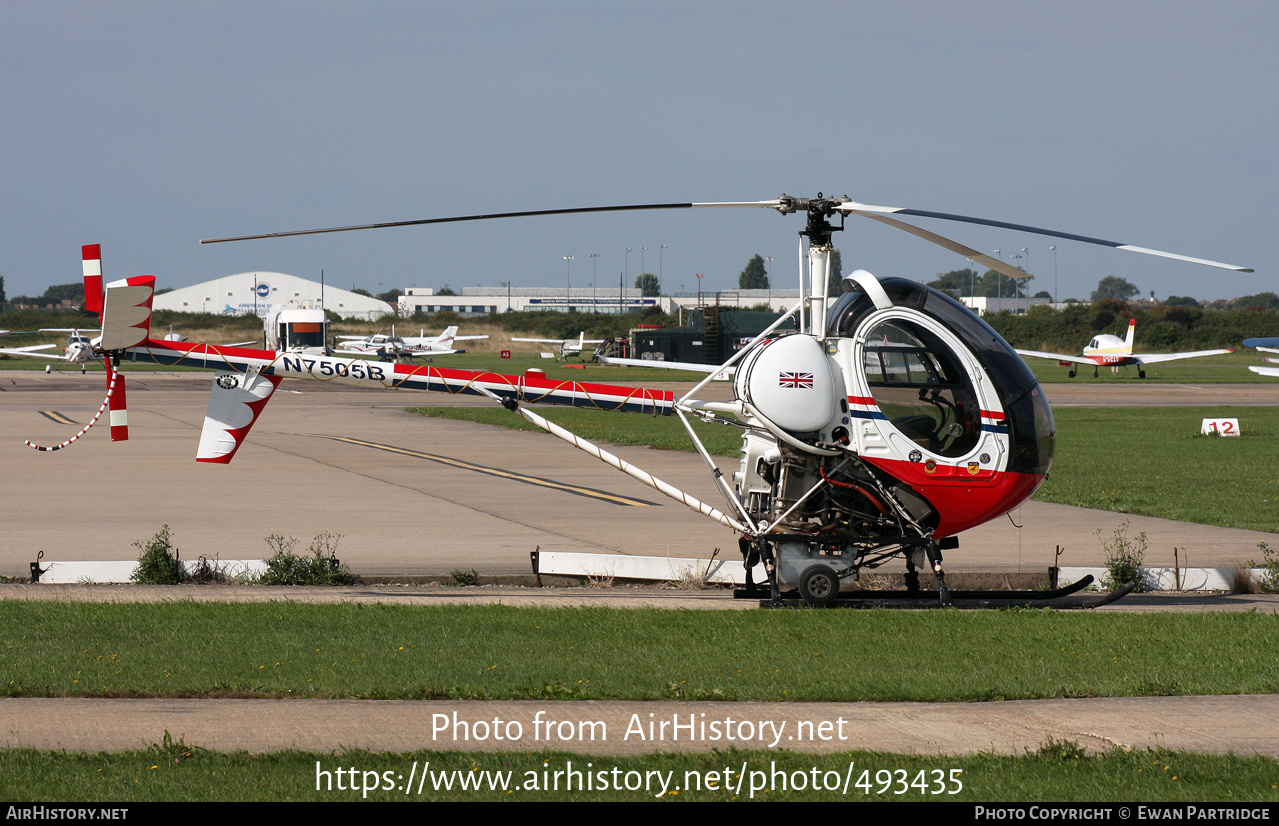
1265,345
79,348
568,346
1114,352
392,347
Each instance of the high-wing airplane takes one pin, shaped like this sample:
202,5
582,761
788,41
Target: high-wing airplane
569,347
1110,351
392,347
888,422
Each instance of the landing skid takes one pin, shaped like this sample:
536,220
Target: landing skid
1063,598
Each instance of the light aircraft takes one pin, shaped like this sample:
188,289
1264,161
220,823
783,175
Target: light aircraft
80,349
569,347
1110,351
891,420
389,348
1264,345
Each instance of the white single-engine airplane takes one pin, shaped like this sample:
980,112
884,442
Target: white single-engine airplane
392,347
891,420
1110,351
569,347
80,348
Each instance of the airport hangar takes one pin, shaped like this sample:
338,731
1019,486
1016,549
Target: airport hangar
254,293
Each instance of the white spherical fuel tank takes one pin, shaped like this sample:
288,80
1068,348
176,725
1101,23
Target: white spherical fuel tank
790,383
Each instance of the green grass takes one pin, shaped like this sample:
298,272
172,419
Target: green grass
496,652
1152,461
1056,772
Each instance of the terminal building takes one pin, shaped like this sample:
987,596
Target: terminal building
478,301
258,293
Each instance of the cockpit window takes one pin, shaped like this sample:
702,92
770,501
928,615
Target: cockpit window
1030,422
921,389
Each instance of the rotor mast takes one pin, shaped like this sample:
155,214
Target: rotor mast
818,231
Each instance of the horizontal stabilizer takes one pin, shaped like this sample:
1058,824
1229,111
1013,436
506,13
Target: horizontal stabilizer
126,316
235,402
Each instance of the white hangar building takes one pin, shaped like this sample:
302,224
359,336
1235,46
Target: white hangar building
254,293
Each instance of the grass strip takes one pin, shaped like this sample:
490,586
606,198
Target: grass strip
1056,772
183,649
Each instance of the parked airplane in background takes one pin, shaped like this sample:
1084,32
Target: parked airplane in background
568,346
393,347
79,349
1111,351
1265,345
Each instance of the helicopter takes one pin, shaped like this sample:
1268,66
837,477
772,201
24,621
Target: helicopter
889,420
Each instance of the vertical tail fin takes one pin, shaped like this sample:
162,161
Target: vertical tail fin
1132,326
92,255
118,406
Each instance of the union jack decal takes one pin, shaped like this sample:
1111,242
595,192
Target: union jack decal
802,381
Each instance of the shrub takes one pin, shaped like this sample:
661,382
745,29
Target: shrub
158,563
319,567
463,579
1269,564
1124,555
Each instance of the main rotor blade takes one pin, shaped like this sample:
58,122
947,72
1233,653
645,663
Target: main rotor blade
863,209
981,258
488,216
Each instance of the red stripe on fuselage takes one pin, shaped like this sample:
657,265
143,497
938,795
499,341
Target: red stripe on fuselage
964,503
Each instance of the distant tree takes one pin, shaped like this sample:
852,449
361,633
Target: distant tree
755,276
1044,294
1260,301
1,289
59,293
997,285
446,290
390,296
361,291
1112,286
956,282
646,283
1181,301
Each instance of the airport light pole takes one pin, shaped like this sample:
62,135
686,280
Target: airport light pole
595,260
568,283
1055,296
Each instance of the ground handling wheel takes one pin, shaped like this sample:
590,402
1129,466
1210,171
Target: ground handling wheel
819,585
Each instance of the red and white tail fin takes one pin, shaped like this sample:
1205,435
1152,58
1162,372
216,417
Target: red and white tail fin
235,403
119,407
92,255
126,312
1132,327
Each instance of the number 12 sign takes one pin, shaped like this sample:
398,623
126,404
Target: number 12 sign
1220,427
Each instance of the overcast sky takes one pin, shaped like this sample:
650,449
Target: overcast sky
148,126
